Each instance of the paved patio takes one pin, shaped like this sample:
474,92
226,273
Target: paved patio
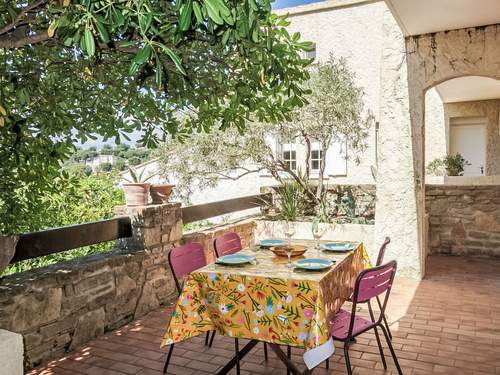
447,324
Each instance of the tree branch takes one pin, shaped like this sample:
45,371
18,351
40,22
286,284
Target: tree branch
247,171
21,15
11,42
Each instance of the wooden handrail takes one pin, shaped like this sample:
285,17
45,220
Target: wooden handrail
205,211
51,241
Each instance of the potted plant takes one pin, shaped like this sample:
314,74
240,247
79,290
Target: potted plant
136,189
160,193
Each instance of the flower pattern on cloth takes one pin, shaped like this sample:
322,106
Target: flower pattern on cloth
266,301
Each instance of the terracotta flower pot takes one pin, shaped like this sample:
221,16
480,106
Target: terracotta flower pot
160,193
136,194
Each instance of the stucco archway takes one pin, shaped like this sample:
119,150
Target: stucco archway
433,59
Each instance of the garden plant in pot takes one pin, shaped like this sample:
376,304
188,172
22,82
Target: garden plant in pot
136,189
160,193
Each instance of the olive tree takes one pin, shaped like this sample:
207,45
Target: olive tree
334,113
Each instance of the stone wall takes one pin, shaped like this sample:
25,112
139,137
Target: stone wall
60,307
364,196
464,220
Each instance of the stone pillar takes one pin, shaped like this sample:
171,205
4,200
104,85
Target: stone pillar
11,353
152,226
7,250
396,207
63,306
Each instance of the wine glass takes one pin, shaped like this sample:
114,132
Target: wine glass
254,249
318,230
289,230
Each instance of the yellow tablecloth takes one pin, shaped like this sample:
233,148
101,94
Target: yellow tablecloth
267,301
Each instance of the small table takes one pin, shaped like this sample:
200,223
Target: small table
268,302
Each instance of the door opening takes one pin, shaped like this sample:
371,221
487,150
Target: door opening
468,138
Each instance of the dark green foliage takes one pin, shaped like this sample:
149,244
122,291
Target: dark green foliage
82,68
450,165
82,199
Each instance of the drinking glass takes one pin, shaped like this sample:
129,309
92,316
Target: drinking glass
289,231
255,248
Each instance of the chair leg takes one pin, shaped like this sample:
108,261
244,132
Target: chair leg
207,337
387,327
327,364
265,351
380,349
384,318
393,353
237,351
347,360
168,358
211,339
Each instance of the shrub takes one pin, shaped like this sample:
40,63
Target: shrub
81,199
450,165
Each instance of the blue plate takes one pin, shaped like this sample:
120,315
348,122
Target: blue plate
340,247
272,243
313,264
234,259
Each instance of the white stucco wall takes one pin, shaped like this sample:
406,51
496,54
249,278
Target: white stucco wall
352,30
225,189
436,134
11,353
396,213
489,109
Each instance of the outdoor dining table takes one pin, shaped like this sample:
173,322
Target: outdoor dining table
267,301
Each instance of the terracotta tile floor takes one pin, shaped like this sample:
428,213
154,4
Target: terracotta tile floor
447,324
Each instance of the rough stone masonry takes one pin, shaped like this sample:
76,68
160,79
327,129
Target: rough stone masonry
464,220
60,307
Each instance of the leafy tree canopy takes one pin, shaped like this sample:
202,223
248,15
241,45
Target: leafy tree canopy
335,112
73,69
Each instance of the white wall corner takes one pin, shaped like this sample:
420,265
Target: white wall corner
11,353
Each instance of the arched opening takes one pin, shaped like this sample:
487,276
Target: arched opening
462,117
462,165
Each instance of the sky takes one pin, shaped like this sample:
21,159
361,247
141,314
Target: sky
278,4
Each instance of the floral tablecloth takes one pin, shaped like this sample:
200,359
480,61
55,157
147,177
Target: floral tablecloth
266,301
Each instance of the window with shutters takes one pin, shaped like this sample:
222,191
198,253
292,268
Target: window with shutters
316,156
289,155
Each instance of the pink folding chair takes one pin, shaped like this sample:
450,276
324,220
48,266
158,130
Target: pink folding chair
380,260
226,244
345,326
185,259
182,261
381,251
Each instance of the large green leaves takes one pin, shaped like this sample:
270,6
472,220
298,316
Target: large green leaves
186,14
89,43
113,67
